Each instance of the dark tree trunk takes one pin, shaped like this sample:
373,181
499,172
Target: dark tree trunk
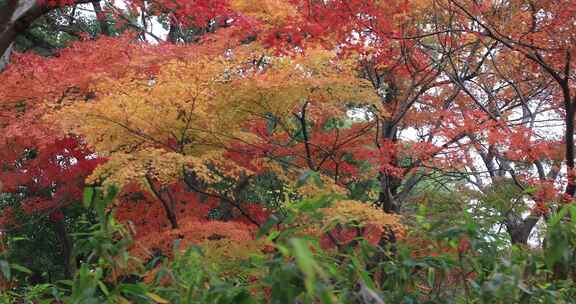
388,190
569,137
520,231
389,183
167,202
64,239
174,32
15,17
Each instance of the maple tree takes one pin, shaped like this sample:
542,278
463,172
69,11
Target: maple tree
542,45
412,144
28,93
525,90
43,165
410,59
406,74
202,118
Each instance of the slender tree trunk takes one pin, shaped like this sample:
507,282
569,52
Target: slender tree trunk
169,209
389,183
569,137
67,257
388,189
305,136
174,32
5,58
167,205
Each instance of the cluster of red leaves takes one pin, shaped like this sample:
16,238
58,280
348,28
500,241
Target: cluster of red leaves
37,78
192,12
52,179
332,22
192,231
152,230
552,31
545,192
387,157
332,151
394,158
345,236
145,212
524,145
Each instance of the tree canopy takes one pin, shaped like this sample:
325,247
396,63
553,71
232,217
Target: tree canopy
287,151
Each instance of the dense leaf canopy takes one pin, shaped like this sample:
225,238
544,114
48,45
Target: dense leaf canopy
287,151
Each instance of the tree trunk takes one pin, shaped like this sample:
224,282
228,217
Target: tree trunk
174,32
15,17
167,204
169,209
5,58
569,138
388,190
520,231
67,259
389,183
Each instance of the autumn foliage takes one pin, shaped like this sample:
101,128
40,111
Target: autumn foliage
379,131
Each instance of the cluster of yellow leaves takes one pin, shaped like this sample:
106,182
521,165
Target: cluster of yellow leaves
174,109
350,214
226,167
155,126
350,211
163,166
287,82
192,109
124,168
326,187
271,12
228,254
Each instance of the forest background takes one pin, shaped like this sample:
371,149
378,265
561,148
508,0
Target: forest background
287,151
